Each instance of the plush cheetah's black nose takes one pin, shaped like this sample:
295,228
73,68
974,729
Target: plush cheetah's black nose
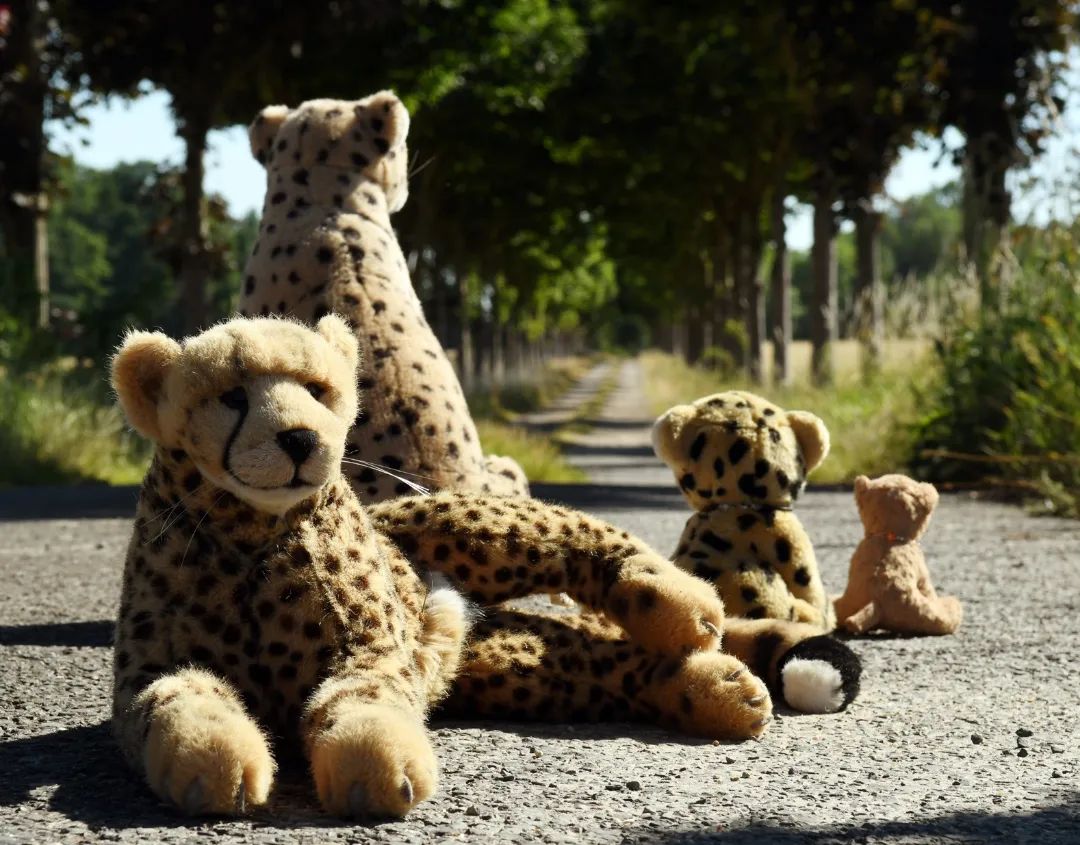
298,443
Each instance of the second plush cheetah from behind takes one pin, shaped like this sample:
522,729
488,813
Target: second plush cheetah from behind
336,171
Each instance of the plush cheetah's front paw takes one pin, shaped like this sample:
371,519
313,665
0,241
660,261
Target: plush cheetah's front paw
668,610
716,696
207,756
373,761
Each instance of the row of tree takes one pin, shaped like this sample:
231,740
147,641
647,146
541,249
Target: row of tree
580,159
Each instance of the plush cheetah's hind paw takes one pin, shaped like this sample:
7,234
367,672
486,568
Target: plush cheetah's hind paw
819,675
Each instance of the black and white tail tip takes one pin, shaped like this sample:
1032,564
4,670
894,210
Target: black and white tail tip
819,675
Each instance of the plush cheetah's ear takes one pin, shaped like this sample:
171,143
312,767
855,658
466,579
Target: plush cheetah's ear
666,431
812,436
389,118
139,368
337,332
263,129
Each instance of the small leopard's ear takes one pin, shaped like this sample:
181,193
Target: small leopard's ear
666,431
138,372
263,130
387,117
812,436
337,332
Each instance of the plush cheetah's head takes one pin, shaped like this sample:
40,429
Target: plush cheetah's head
895,504
315,147
736,447
262,407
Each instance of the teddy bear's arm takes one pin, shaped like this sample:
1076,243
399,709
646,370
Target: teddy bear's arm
862,620
516,658
497,549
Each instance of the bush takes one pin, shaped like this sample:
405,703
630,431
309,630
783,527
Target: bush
1005,407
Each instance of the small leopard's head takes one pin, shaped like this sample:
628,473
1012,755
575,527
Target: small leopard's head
261,406
736,447
895,504
314,152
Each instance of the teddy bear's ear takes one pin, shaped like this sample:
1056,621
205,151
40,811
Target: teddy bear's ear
666,431
264,128
389,118
812,436
139,368
862,484
337,332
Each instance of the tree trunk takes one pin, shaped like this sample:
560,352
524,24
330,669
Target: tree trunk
22,147
869,296
754,287
824,307
465,343
194,265
780,281
986,213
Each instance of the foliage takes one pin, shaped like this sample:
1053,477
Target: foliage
869,421
54,428
1006,406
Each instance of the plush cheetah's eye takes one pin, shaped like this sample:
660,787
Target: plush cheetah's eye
235,399
315,389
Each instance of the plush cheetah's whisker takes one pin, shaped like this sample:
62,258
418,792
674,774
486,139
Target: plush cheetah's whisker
417,170
199,523
423,491
363,463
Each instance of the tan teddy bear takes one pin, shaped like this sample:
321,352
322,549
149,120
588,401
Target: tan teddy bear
888,583
336,170
741,462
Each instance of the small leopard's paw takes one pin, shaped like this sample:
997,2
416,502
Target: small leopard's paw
373,761
666,609
819,675
208,763
719,698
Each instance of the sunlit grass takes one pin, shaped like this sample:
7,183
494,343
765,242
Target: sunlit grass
53,431
539,456
870,422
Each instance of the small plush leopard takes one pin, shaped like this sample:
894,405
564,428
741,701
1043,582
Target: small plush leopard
741,462
261,601
336,171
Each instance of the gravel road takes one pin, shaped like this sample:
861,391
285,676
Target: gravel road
971,738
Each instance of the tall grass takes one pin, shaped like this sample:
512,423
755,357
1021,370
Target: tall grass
54,430
1005,407
869,420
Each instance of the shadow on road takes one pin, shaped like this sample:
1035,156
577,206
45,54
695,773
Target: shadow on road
1055,824
98,634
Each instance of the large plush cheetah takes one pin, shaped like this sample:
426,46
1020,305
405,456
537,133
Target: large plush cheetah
741,462
336,171
262,603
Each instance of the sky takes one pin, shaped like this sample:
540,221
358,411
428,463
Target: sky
127,131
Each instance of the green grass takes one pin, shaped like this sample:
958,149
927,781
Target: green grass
540,457
494,411
54,431
869,421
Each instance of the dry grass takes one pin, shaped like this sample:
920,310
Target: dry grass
870,421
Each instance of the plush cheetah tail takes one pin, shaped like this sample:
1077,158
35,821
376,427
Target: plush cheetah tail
808,671
819,675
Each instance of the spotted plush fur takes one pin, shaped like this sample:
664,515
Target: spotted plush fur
336,171
741,462
262,601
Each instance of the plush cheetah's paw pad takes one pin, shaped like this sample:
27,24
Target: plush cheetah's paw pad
373,762
214,766
669,610
722,699
819,675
